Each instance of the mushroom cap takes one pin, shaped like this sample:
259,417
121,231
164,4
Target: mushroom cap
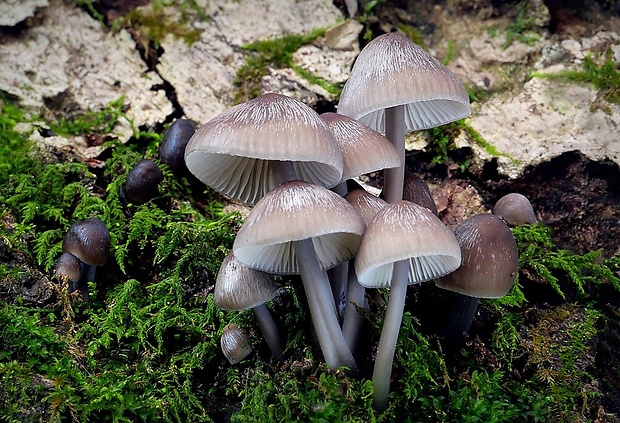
238,287
235,343
232,152
417,191
364,150
366,204
143,181
295,211
89,241
490,258
516,209
172,147
392,71
68,266
405,231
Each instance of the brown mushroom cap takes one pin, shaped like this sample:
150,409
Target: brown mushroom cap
233,153
417,191
489,258
239,287
401,231
89,241
364,150
295,211
516,209
391,71
68,267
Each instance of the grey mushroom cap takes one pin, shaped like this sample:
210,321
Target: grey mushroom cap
490,258
394,71
405,231
417,191
364,150
515,209
234,152
89,241
68,267
239,287
235,343
296,211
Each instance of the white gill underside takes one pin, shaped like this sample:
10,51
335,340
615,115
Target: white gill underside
421,269
281,258
421,115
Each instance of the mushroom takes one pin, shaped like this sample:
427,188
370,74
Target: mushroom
89,241
489,263
417,191
143,181
249,149
395,86
515,209
69,269
238,287
300,228
426,249
172,147
235,343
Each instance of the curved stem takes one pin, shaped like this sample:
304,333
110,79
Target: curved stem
338,276
389,335
270,330
459,319
352,324
322,308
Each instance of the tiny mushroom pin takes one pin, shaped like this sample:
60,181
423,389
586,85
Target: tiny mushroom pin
172,147
235,343
238,287
515,209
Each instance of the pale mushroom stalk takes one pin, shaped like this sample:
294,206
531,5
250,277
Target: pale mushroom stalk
395,132
270,330
382,372
339,274
322,308
355,297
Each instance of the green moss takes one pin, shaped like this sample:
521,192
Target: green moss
604,76
277,53
91,122
542,261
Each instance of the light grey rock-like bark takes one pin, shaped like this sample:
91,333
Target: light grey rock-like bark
13,12
68,60
203,73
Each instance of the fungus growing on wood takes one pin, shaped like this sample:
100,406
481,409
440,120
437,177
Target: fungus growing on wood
515,209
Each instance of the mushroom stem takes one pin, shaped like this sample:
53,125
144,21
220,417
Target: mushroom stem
270,330
389,335
88,275
460,318
352,318
339,274
395,132
322,308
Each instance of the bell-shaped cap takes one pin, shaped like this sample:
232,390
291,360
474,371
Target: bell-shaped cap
233,153
417,191
364,150
295,211
515,209
394,71
172,147
239,287
405,231
235,343
366,204
89,241
489,258
143,181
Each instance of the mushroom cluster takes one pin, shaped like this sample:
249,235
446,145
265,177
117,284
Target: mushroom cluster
277,155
